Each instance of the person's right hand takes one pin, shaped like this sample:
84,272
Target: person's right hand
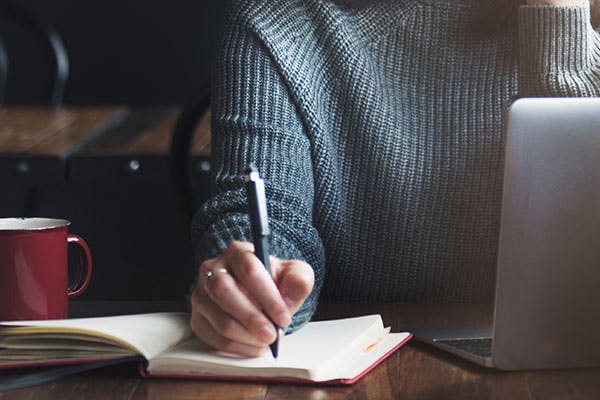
235,297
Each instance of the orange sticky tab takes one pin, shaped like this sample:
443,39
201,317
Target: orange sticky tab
373,345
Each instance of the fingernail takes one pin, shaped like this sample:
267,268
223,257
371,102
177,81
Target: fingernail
267,333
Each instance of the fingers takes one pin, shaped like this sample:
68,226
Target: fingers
221,331
254,278
257,333
230,301
209,335
229,316
237,301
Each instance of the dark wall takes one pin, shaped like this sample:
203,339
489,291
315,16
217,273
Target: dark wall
129,51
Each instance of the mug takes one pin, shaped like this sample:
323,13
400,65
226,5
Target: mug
34,268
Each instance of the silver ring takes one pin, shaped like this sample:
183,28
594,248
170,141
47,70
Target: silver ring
212,273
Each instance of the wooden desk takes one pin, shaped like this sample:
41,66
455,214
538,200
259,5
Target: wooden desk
36,141
84,145
416,371
35,144
136,149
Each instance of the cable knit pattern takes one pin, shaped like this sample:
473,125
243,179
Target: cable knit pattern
378,128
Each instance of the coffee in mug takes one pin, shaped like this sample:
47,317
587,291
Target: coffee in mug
34,268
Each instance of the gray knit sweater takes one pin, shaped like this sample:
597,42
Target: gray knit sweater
377,126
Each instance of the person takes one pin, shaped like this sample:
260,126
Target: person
377,126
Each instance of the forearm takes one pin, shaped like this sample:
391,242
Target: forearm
255,120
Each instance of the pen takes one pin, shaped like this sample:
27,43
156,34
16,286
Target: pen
257,208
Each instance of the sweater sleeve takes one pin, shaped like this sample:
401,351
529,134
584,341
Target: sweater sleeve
559,52
254,120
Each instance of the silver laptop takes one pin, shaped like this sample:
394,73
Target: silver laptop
547,304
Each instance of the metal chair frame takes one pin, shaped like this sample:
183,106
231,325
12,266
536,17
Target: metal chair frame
180,154
50,37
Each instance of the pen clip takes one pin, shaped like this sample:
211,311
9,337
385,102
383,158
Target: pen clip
257,201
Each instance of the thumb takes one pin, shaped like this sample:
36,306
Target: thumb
295,280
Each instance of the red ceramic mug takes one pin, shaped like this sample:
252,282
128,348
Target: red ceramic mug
34,268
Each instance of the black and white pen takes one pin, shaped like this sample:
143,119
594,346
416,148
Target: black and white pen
257,208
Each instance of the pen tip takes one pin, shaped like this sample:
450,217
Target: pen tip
275,345
275,349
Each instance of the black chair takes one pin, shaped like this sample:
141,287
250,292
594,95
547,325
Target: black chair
186,197
49,38
22,34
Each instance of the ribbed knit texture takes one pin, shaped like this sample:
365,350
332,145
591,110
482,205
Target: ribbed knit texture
378,128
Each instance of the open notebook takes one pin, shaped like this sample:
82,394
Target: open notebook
337,351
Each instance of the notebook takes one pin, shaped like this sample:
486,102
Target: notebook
325,352
547,301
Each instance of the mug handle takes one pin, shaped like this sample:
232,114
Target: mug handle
84,266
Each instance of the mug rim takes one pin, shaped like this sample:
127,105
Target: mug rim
31,224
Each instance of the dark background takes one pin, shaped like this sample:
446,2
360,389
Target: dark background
121,51
138,53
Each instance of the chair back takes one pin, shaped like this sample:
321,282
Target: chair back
180,154
48,37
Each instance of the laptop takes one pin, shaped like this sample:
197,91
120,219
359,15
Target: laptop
547,301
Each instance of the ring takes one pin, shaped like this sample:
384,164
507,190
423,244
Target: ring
212,273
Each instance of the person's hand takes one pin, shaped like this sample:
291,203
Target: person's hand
235,297
557,2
